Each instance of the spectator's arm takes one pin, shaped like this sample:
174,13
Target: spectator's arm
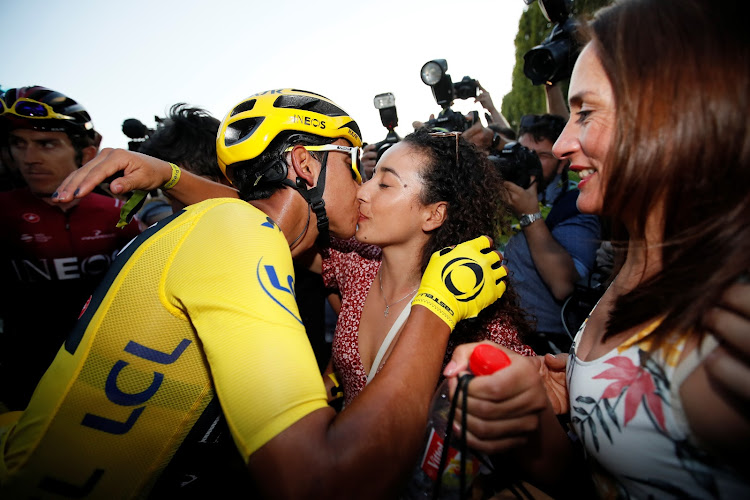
139,171
552,261
479,135
485,100
728,367
720,422
580,235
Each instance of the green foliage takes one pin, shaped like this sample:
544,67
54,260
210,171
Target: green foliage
533,28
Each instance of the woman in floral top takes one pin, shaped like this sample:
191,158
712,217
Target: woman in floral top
658,132
428,192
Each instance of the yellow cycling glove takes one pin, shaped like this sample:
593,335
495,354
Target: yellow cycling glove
461,281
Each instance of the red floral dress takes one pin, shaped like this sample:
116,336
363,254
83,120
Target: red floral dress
351,267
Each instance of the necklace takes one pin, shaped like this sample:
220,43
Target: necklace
387,305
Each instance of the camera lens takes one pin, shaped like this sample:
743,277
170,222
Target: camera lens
539,65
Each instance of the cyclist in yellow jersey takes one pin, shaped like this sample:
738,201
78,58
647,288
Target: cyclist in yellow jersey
195,330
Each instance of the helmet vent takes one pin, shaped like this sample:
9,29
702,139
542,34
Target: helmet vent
241,130
352,125
308,103
243,106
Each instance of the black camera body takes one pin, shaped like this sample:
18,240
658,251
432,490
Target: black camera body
452,121
467,88
517,164
390,139
553,59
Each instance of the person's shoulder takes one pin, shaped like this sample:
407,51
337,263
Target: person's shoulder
16,194
228,208
18,201
234,218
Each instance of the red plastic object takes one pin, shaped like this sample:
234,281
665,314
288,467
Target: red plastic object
486,360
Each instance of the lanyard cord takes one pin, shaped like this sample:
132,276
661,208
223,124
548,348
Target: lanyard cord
461,388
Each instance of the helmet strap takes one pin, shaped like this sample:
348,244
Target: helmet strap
314,198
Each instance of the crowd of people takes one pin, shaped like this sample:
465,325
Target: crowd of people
164,334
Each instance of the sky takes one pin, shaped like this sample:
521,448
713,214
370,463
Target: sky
135,58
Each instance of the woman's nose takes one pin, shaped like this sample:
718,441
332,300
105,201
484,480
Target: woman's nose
567,143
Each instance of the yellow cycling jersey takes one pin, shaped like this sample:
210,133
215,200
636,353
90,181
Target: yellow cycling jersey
199,307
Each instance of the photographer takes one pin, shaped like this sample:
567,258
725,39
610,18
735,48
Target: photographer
556,245
498,133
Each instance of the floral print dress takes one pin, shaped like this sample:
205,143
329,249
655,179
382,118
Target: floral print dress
626,410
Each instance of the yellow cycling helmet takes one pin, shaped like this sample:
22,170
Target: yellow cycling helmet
250,127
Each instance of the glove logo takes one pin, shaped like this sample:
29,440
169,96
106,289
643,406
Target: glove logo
464,278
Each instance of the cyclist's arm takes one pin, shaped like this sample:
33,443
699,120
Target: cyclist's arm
139,171
367,449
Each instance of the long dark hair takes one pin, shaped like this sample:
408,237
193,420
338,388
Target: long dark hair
476,206
680,71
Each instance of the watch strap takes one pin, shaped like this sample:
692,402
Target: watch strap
527,219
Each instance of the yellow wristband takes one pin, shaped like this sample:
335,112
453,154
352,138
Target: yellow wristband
175,177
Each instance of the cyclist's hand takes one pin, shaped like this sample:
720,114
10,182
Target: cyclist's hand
461,281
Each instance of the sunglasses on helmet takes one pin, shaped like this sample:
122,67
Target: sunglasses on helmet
29,108
356,154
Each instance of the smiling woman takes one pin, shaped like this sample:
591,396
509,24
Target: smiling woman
658,132
670,162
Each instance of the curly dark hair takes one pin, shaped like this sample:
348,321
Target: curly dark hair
477,205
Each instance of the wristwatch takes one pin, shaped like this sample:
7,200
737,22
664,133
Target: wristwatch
527,219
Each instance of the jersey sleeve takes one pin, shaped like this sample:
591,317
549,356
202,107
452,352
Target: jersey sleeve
233,277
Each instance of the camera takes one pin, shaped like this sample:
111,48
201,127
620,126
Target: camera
466,88
553,59
137,132
452,121
434,73
386,104
517,164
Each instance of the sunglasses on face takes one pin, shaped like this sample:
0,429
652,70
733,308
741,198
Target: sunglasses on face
356,154
29,108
